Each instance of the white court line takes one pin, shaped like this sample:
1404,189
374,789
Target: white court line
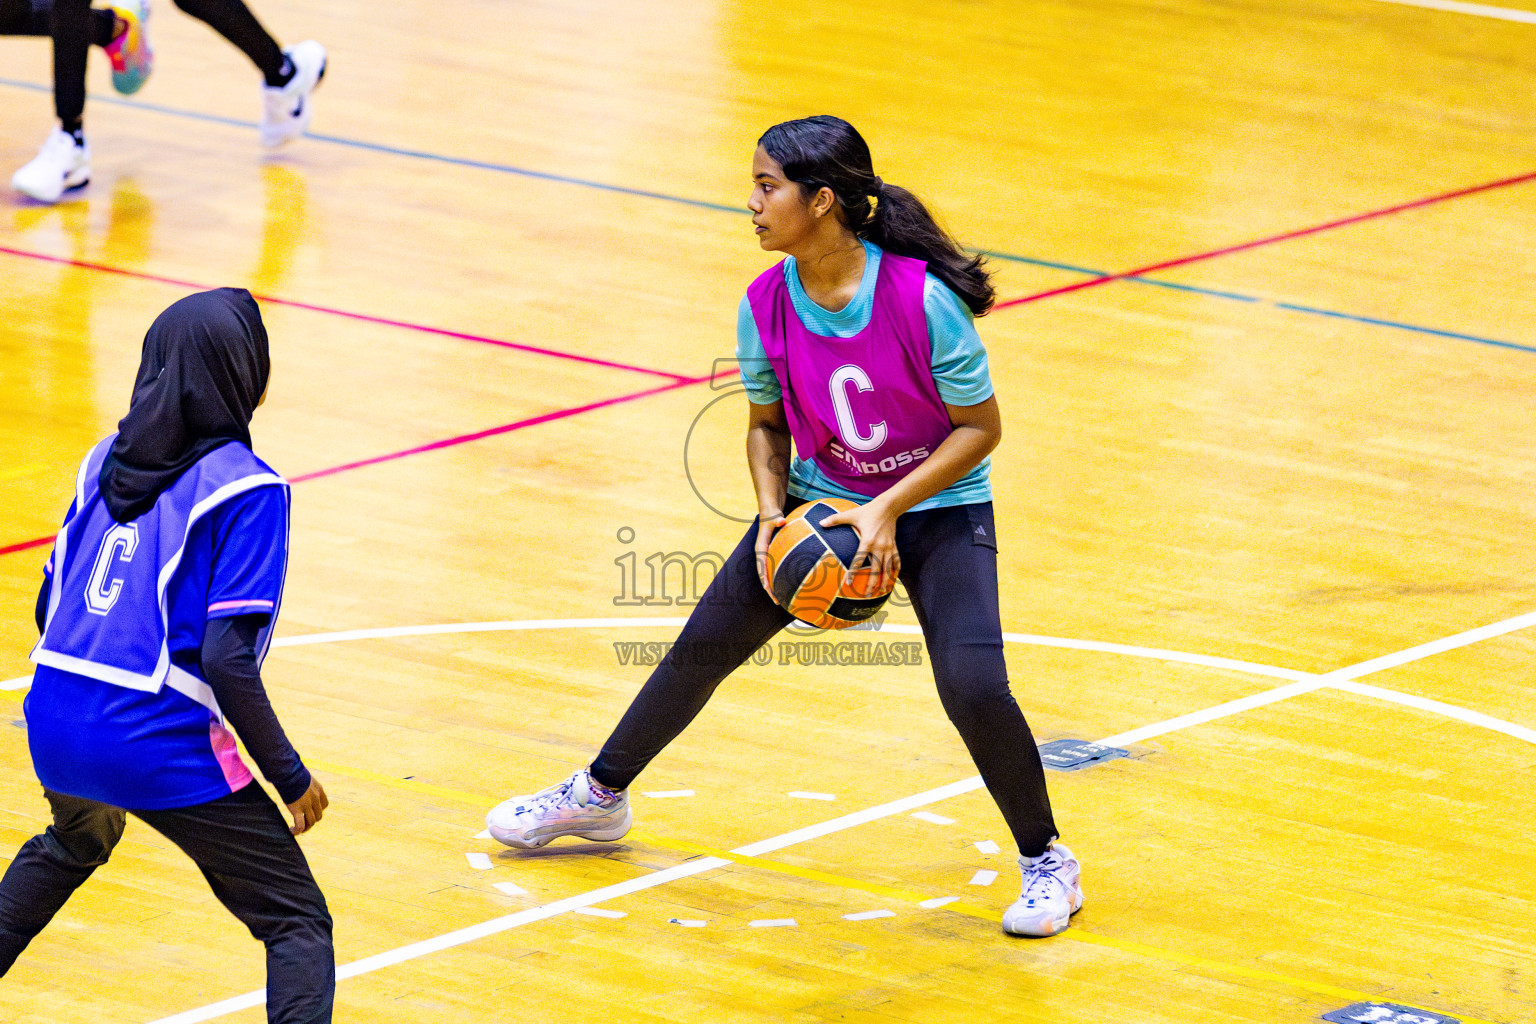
1156,653
655,878
1306,682
1440,646
463,935
1231,707
613,915
869,915
936,819
608,892
1341,679
387,632
390,632
1519,732
1476,10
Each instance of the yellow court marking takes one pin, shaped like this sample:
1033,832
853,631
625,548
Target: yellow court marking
16,472
1074,934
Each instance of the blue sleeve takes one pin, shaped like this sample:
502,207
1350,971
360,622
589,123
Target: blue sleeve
250,553
756,372
959,360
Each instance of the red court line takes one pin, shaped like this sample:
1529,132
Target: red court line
1271,240
330,311
449,442
24,545
505,428
680,381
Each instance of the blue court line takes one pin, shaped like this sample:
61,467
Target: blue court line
524,172
1290,306
376,147
1154,282
1052,264
1404,327
484,165
1214,293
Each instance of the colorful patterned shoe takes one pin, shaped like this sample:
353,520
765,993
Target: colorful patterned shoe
132,59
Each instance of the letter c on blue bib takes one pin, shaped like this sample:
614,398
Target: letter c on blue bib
102,592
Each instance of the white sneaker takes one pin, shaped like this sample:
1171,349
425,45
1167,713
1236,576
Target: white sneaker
285,111
61,165
1052,894
572,808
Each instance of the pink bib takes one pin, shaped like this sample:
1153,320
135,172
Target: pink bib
865,409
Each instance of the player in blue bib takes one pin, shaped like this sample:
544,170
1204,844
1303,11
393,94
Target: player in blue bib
155,613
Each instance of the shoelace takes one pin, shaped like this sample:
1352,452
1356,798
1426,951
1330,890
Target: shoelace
1041,874
564,795
551,798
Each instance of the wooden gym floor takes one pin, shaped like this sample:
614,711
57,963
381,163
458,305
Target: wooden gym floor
497,281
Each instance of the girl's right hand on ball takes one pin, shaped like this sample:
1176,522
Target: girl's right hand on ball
768,524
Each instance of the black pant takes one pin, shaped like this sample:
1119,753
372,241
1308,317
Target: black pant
32,18
949,568
243,847
71,24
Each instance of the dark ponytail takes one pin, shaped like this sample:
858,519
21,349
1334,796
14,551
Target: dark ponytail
827,152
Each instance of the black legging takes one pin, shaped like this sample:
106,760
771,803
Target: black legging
72,37
26,18
243,847
949,569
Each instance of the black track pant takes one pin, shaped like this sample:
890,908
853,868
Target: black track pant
72,26
242,845
34,18
949,569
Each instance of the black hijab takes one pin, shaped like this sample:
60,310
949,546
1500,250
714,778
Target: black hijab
203,370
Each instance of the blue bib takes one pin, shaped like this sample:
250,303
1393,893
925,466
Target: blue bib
107,611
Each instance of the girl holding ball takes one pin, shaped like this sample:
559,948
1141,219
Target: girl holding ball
858,347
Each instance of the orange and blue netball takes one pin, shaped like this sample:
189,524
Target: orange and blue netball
810,570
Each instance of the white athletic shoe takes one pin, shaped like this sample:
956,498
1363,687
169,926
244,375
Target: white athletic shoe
285,111
1052,894
572,808
59,166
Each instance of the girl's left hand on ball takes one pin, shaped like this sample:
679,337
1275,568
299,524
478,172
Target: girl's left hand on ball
876,527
